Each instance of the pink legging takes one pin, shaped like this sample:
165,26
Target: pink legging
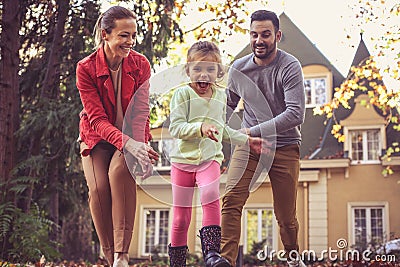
184,177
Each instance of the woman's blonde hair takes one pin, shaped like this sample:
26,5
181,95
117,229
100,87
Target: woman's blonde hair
204,49
106,21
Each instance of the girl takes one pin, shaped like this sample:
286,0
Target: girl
108,81
197,116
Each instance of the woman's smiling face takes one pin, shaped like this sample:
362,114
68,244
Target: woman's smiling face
121,39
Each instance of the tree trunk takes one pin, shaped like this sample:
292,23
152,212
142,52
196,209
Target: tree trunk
50,90
9,87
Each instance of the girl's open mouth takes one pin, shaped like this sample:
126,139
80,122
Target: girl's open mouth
203,85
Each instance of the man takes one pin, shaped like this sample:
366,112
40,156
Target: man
270,82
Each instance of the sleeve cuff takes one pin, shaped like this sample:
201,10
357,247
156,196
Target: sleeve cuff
255,131
197,126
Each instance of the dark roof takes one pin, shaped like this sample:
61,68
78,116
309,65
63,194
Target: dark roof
392,135
330,147
362,52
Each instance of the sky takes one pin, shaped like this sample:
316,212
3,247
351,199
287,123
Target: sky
329,24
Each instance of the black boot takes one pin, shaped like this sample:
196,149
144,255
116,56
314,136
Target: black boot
177,256
210,244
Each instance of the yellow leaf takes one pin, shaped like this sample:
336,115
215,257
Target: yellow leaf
337,127
318,111
367,73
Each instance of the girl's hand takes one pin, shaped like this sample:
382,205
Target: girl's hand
144,154
209,130
245,131
259,145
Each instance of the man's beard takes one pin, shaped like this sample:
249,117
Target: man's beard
268,51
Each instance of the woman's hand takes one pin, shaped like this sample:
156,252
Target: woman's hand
209,130
144,154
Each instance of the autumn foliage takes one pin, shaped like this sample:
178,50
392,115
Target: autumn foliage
376,76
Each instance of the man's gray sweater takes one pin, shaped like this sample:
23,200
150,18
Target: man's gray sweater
273,95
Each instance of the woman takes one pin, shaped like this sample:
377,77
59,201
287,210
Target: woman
113,85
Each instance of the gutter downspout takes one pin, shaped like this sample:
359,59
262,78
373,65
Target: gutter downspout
306,217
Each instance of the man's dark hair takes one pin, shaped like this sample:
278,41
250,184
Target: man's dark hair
261,15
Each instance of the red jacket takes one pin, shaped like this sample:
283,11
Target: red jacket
97,94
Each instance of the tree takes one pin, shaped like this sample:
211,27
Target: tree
9,87
48,103
9,109
377,76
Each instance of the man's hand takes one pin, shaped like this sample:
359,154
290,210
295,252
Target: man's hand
259,145
144,154
209,130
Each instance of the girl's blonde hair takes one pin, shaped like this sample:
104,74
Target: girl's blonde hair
106,21
202,50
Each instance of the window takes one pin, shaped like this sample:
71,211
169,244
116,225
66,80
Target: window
258,226
365,145
316,91
163,148
368,225
156,230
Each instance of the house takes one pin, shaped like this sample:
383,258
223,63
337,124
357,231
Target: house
343,198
